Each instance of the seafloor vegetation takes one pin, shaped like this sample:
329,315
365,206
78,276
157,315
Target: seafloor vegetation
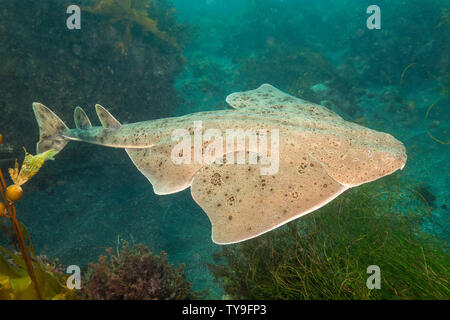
135,273
130,273
24,275
325,255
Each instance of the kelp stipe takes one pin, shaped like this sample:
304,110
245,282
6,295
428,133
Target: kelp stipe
22,276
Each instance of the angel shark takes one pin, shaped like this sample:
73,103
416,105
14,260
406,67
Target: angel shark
320,155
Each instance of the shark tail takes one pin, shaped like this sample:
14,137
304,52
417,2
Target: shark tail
51,129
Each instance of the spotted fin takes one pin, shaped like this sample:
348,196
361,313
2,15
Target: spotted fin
107,120
81,119
264,96
242,204
267,96
157,166
51,129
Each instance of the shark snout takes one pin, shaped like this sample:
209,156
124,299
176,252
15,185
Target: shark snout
398,160
395,155
398,152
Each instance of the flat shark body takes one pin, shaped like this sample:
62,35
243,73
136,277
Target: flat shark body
319,156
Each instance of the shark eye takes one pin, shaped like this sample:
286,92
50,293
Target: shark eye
369,153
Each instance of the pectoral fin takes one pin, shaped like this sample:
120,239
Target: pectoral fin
242,204
156,165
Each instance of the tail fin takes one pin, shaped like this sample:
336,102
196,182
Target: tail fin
51,128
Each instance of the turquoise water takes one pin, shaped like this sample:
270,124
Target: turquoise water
321,51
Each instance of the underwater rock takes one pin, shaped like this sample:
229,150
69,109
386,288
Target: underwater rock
319,88
84,73
426,195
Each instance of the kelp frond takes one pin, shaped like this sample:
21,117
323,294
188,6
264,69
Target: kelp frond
30,166
131,12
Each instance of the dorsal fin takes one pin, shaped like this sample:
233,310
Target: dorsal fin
267,96
264,96
106,118
81,119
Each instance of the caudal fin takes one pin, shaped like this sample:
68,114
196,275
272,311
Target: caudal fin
51,128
